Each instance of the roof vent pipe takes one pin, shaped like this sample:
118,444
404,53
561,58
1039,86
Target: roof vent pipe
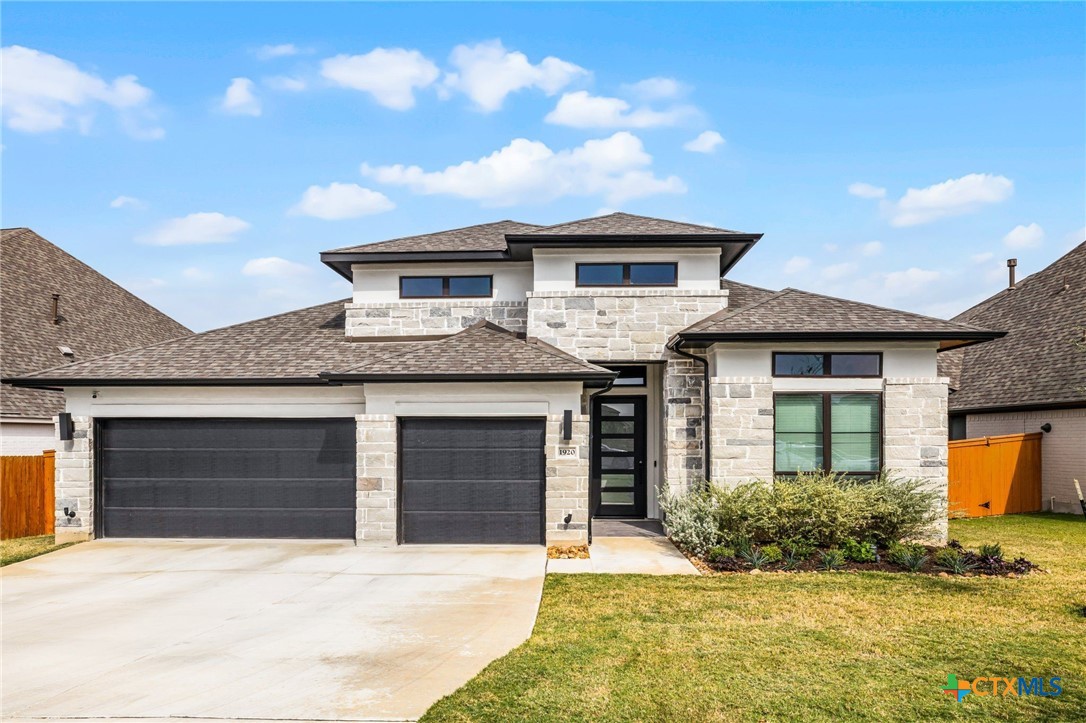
56,308
1011,263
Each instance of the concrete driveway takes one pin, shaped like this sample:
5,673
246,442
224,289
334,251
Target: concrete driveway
258,629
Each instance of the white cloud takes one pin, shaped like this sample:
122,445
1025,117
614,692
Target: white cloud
1024,237
797,264
487,73
871,248
866,190
656,88
275,266
341,200
43,93
830,248
390,75
582,110
126,201
285,82
982,257
616,168
954,197
196,228
195,273
268,52
239,98
837,272
909,281
706,142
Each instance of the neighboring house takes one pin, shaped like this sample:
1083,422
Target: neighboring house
500,383
56,310
1034,379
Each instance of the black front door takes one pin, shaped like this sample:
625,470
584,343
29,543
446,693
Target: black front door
618,459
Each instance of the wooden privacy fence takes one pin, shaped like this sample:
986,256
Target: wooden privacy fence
26,496
995,475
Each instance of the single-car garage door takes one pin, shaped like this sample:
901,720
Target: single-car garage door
472,480
274,478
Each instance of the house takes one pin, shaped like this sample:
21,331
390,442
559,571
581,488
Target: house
56,310
1034,379
504,382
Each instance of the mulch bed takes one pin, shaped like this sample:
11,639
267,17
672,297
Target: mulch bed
573,552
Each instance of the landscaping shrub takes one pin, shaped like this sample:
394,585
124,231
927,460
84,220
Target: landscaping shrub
772,553
720,553
690,519
832,559
858,551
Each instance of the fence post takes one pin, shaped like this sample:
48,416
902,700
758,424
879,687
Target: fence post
50,482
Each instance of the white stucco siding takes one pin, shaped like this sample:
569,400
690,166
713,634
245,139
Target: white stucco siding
473,399
756,360
381,282
556,269
26,438
299,402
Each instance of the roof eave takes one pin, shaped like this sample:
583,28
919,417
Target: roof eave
341,261
733,245
947,340
61,383
470,377
1025,407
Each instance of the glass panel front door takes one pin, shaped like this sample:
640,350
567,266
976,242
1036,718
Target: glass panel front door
618,457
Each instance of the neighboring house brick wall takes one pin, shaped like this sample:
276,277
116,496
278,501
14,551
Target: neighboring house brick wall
567,482
431,317
684,433
618,324
75,482
376,471
742,429
1063,450
915,435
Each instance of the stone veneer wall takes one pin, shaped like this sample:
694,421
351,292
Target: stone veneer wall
684,434
618,324
915,435
75,482
742,434
376,473
567,482
431,317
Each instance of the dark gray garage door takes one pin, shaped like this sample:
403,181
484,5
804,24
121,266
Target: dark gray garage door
227,478
472,480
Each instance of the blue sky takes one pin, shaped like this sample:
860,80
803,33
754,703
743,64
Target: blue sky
203,155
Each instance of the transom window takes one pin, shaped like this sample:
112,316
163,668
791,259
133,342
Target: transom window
648,274
835,432
432,287
630,376
819,364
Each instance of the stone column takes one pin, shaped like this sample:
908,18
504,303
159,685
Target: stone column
684,455
567,482
75,483
375,514
915,436
742,433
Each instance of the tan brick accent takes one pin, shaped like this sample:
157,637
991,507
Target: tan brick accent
75,482
567,482
742,434
431,317
375,514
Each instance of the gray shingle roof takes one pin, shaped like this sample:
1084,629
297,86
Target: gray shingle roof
740,294
97,317
1042,360
484,349
300,346
481,237
627,224
795,313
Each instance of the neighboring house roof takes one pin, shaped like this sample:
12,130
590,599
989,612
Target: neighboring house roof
309,346
1042,360
95,317
483,349
802,315
514,241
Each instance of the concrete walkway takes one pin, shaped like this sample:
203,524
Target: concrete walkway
263,630
626,555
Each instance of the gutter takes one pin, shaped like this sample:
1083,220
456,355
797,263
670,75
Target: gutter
675,345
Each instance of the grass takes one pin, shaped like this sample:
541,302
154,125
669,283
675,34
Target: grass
809,646
24,548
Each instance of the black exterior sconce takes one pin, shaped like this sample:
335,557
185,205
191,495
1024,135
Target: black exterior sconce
66,427
1046,427
567,425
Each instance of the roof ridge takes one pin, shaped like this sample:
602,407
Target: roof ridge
1006,293
432,233
635,215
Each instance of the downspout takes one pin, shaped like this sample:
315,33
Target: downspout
675,345
592,445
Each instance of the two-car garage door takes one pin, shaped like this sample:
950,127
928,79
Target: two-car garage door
461,480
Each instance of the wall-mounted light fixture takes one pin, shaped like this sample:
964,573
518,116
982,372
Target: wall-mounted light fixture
567,425
1046,427
66,427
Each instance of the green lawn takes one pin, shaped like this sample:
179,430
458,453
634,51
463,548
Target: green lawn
810,646
24,548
